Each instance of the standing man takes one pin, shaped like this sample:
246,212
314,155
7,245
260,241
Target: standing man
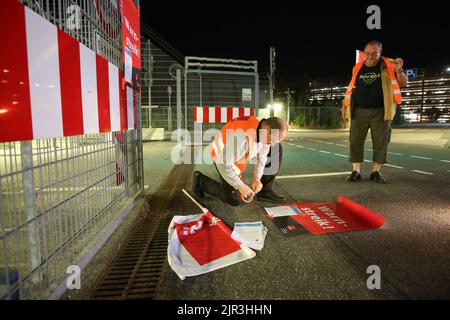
239,141
371,101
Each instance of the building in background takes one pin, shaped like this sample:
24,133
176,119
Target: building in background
426,99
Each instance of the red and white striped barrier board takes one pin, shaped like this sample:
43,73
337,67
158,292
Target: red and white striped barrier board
220,114
52,86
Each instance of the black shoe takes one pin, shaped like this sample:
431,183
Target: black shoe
271,196
196,185
355,176
376,176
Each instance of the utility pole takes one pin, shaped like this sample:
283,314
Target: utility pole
289,96
272,78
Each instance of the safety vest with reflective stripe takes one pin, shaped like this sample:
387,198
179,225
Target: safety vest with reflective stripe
247,125
394,83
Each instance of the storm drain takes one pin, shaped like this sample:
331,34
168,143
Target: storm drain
138,268
136,272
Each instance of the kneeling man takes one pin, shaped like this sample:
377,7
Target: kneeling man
241,140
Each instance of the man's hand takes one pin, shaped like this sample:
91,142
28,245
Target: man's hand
246,192
398,62
256,185
401,76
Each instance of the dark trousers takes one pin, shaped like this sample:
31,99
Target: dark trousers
363,119
228,194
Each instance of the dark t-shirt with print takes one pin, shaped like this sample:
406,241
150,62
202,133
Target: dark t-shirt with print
369,92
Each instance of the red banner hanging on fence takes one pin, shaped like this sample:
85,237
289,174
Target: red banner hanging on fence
131,40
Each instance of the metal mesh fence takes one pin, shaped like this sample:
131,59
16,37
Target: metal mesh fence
219,89
57,196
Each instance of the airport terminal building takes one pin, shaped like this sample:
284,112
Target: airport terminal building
426,99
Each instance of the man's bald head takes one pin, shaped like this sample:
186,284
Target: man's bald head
277,124
276,128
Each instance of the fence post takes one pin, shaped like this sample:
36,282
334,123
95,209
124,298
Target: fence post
178,99
256,94
30,208
139,140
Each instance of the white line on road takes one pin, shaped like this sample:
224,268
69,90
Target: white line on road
393,166
340,155
328,142
395,153
341,145
314,175
322,151
446,161
312,149
423,172
423,158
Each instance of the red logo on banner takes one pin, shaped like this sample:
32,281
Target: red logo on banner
206,239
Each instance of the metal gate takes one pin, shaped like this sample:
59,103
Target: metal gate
219,82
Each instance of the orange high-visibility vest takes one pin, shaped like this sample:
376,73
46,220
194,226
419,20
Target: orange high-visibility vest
394,83
249,126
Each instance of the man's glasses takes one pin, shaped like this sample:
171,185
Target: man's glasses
371,53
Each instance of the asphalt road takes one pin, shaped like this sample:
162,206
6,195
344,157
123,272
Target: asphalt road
412,249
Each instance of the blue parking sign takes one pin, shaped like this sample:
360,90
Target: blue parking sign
411,74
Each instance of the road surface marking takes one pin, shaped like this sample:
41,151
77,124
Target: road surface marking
423,158
446,161
328,142
312,149
322,151
371,150
340,145
395,153
340,155
295,145
422,172
314,175
393,166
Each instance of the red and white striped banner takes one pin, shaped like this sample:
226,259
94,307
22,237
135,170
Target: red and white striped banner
52,86
220,114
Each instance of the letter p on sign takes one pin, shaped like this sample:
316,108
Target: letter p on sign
374,281
74,279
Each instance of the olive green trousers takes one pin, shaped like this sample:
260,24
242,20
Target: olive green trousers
364,119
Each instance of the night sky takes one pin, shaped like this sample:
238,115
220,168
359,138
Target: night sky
312,40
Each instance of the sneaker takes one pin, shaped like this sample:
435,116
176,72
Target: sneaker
196,185
376,176
355,176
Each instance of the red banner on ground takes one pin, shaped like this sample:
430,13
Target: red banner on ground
327,217
202,243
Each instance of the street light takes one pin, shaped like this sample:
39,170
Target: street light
277,107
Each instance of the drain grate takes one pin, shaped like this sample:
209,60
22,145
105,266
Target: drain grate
138,269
